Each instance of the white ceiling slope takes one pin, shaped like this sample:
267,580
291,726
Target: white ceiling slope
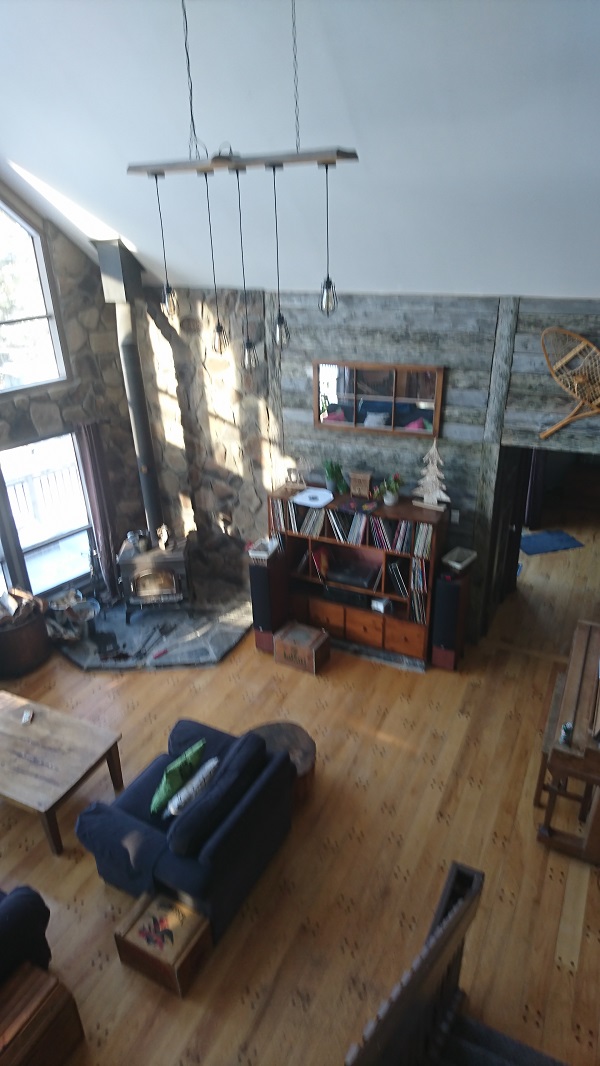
475,121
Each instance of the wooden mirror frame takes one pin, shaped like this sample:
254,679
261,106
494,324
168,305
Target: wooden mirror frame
380,398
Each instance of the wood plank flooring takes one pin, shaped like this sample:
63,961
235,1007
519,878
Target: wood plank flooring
413,770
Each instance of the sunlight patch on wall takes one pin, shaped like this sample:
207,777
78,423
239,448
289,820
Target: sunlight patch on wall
171,420
87,223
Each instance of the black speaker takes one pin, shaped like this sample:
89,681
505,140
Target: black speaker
446,610
268,589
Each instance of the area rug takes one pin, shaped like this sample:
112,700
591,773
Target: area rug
160,636
553,540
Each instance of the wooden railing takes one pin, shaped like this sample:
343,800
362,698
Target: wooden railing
50,501
411,1024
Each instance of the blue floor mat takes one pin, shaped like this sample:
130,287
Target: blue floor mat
553,540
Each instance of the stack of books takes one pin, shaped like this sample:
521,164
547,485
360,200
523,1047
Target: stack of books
397,579
418,590
423,535
277,514
313,522
348,529
402,540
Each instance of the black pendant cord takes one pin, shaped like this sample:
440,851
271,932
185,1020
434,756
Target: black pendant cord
237,178
162,236
276,241
327,213
212,254
220,336
295,60
193,144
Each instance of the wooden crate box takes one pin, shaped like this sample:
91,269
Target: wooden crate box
165,940
302,646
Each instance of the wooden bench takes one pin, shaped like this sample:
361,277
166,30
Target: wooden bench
542,785
548,738
576,757
39,1020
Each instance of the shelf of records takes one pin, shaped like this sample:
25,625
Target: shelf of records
375,551
342,521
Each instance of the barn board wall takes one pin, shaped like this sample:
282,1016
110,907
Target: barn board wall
535,401
453,332
498,391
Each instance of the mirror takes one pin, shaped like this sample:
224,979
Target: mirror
378,396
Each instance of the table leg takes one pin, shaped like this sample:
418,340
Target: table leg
52,831
113,762
586,802
591,840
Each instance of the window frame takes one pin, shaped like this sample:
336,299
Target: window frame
34,224
13,557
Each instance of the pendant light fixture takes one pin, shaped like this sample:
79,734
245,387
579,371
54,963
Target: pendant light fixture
281,333
220,338
169,296
249,356
234,162
328,299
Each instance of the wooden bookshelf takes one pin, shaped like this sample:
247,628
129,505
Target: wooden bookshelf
341,558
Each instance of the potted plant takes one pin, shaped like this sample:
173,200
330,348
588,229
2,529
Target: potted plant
388,490
334,478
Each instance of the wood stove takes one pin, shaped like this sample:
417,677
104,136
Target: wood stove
153,577
158,575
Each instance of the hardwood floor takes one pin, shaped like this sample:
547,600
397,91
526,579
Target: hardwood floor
413,770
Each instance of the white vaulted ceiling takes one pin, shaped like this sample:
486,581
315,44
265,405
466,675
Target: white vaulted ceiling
475,121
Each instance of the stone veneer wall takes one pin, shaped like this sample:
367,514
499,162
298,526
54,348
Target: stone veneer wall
214,427
94,389
213,434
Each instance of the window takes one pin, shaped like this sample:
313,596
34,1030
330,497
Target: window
30,349
48,530
380,397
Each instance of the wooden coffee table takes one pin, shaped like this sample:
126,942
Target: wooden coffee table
43,762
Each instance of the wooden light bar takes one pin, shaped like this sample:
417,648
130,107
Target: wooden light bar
232,162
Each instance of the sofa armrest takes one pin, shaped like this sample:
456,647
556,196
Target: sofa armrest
24,919
125,848
262,810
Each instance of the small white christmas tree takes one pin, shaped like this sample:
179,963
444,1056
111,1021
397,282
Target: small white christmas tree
431,486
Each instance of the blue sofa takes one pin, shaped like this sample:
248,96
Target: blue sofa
212,853
24,919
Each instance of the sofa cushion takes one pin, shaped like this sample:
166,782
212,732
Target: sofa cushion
192,788
187,731
176,775
136,798
377,418
240,766
24,917
334,415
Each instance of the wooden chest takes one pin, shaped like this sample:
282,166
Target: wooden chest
39,1020
165,940
302,646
